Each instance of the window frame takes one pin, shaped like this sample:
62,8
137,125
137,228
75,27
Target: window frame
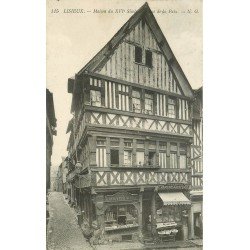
138,54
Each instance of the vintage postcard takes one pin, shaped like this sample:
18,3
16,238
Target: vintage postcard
124,124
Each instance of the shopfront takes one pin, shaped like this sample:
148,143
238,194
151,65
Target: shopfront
118,215
196,215
172,216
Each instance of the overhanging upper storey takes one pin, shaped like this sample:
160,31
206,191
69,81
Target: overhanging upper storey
139,53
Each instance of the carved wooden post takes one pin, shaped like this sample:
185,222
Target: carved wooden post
99,204
92,150
157,153
134,153
191,224
178,155
108,151
121,152
168,154
140,211
153,213
146,152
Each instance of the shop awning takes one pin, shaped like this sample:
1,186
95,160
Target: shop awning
176,198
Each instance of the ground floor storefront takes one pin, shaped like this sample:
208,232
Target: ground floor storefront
196,215
134,214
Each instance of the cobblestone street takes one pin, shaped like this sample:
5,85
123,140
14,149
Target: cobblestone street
63,231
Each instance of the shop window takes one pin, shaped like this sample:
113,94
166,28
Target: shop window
139,158
171,108
136,101
95,98
127,158
114,157
151,158
121,216
138,54
149,103
148,58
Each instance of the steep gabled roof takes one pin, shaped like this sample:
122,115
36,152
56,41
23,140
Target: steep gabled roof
146,13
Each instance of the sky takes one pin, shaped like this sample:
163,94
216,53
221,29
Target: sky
74,38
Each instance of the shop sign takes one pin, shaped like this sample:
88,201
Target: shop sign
174,186
121,196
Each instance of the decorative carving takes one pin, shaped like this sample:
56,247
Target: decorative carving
121,196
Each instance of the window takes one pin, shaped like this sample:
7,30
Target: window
136,101
114,142
171,108
95,98
114,157
183,156
140,144
173,155
139,158
163,159
127,158
120,215
128,143
152,145
148,58
151,158
101,152
138,54
148,103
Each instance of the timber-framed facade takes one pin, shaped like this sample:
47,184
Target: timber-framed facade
131,135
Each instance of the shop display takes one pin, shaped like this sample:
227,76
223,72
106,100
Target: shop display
120,217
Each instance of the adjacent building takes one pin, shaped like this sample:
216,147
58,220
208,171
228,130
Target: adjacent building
197,166
129,151
50,132
61,185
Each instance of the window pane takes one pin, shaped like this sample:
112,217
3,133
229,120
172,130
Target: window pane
127,158
136,105
151,158
114,157
183,161
95,98
171,108
149,106
173,147
173,160
138,54
148,58
163,160
139,158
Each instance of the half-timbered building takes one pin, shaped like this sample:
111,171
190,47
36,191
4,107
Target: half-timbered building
196,193
131,135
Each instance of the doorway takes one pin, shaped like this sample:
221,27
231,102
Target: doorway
198,225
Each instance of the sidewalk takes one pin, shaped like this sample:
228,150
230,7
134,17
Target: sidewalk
63,231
